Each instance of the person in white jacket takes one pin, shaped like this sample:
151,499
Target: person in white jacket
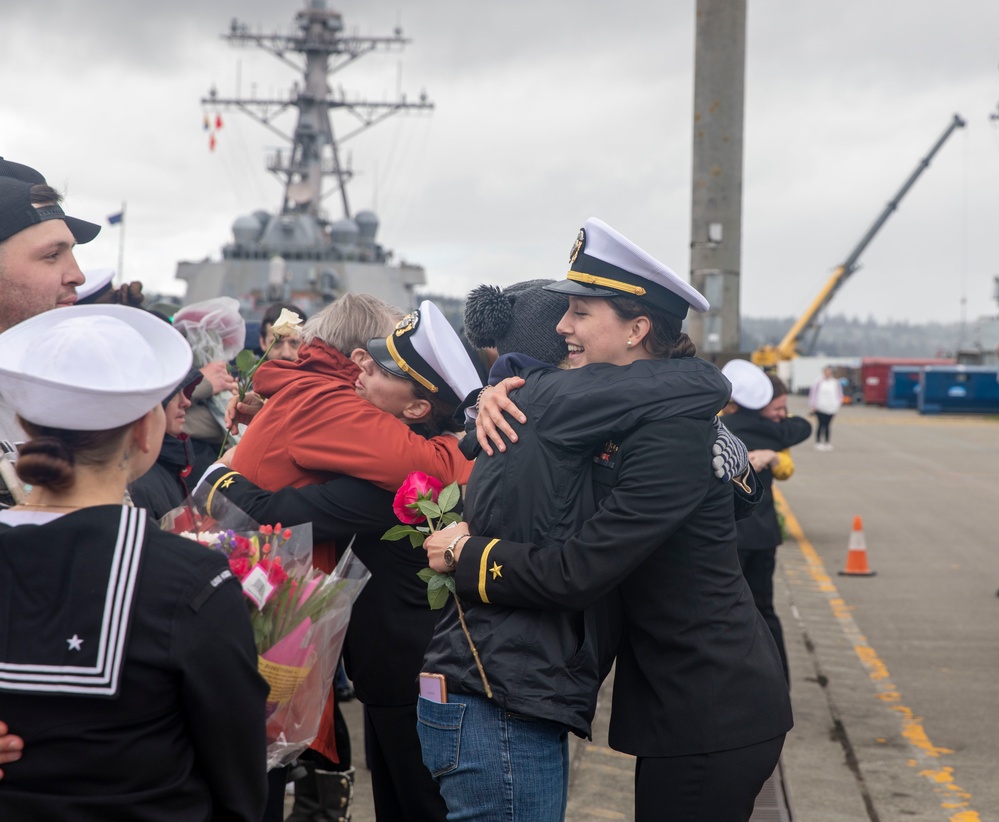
825,399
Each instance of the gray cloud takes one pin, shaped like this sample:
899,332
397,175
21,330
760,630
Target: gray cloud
546,115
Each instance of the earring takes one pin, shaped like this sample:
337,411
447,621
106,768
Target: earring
629,342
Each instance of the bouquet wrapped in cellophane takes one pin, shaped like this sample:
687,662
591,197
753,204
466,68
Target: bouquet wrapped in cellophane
299,614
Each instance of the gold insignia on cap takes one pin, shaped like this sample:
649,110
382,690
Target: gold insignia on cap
577,246
496,570
407,323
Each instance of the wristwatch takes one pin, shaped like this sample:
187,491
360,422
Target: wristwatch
449,559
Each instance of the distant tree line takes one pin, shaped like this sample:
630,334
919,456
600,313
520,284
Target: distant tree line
840,336
843,336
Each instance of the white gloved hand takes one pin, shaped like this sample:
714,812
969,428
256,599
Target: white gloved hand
729,454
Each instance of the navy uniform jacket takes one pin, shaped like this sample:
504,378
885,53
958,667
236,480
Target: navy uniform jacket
391,621
697,668
144,704
761,531
546,663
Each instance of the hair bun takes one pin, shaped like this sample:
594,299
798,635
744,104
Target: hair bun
488,313
45,461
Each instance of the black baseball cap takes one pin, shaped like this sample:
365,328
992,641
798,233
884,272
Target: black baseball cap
17,212
19,171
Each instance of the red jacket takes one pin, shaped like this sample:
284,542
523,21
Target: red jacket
314,425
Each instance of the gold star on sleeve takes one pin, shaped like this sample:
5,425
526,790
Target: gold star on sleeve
496,570
226,483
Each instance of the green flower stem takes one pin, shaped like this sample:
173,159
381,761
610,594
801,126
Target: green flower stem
468,636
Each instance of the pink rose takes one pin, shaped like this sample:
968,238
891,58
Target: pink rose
417,485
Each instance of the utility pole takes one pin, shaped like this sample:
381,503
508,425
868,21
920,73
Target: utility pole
716,203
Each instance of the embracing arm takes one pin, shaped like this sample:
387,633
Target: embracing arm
664,477
337,508
363,441
579,407
792,431
583,406
758,432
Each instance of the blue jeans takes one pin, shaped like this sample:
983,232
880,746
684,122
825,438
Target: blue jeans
493,765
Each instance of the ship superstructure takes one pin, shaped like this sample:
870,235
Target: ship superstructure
299,254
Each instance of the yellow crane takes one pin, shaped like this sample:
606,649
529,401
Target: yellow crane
768,356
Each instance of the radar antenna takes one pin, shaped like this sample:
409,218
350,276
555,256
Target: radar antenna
315,150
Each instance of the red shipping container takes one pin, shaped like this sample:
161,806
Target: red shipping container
874,373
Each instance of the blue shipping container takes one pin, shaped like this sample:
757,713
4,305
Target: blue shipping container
903,386
968,389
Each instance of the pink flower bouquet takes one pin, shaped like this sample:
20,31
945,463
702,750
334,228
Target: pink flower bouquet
299,614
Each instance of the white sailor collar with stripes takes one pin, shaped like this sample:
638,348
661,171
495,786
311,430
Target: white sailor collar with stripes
99,671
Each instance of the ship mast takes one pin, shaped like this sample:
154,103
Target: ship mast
315,150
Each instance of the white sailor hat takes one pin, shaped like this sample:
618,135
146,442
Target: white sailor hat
426,349
97,281
751,387
605,263
90,368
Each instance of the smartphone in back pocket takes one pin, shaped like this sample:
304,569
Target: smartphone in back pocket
433,687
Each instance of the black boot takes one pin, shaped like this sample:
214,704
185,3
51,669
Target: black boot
306,807
336,790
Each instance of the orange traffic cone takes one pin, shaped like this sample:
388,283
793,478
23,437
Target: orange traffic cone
856,555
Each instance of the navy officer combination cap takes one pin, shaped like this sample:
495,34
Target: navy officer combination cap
605,263
17,212
426,349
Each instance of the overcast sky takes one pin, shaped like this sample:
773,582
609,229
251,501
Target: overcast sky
546,113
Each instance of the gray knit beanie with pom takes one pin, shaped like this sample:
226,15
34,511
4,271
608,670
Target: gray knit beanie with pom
520,318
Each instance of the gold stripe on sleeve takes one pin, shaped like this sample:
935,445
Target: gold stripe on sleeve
482,571
218,482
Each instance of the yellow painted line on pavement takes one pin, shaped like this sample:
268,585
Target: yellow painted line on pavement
955,801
